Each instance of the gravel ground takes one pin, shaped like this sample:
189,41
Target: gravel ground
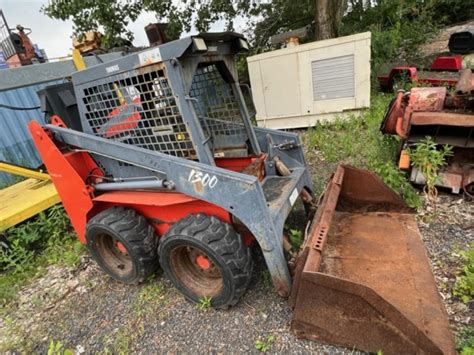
88,312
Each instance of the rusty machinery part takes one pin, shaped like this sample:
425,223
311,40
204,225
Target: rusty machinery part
17,46
205,257
395,110
157,34
448,118
363,279
90,42
123,244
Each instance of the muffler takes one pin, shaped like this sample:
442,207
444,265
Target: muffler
362,278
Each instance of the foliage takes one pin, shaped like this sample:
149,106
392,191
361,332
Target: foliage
398,26
468,349
357,140
296,238
113,16
56,348
43,240
263,345
428,159
92,15
266,278
204,303
465,340
464,287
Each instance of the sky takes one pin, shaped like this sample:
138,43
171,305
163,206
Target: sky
54,36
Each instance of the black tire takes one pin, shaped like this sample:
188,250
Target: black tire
123,244
230,260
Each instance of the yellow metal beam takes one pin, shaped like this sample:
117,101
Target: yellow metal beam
24,200
78,60
17,170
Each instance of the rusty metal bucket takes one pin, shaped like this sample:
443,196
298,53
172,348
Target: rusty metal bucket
362,278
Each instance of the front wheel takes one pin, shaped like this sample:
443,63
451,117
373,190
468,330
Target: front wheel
205,258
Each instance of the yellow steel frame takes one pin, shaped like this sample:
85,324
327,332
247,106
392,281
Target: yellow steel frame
26,198
37,193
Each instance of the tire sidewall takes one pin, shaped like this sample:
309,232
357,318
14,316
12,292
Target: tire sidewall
169,243
95,230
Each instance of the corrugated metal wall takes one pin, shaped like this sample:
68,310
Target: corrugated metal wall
16,145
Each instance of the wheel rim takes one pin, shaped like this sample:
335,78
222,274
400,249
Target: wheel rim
196,271
114,255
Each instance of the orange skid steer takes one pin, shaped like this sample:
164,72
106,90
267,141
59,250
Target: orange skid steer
185,182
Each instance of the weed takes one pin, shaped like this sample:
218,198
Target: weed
44,240
266,279
122,341
464,287
428,159
296,238
357,140
204,303
397,180
264,345
56,348
37,301
148,297
151,292
465,341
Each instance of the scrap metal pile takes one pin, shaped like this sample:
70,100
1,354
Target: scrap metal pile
447,117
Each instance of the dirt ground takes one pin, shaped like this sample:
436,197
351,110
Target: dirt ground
87,312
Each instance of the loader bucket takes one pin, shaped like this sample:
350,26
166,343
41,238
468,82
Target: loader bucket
362,278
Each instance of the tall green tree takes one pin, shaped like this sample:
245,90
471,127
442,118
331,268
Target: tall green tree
266,17
113,16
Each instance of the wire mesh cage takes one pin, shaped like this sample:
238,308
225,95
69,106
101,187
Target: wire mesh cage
137,107
217,107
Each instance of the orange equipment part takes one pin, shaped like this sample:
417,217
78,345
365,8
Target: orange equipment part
404,162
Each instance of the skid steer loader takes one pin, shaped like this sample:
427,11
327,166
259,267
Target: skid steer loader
168,170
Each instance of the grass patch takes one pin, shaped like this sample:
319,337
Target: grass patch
149,296
464,287
33,245
264,344
357,140
465,341
296,238
204,303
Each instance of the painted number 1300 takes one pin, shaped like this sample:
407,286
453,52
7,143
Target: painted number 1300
205,179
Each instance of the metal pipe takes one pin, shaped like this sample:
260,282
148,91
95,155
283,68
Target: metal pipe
135,185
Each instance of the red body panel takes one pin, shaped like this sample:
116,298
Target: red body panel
448,64
73,172
161,208
453,63
68,181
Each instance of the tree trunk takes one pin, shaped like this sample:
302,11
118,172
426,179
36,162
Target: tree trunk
324,29
328,17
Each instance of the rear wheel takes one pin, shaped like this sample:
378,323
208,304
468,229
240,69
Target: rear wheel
205,257
123,244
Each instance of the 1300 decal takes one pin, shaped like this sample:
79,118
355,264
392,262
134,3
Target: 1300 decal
205,179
